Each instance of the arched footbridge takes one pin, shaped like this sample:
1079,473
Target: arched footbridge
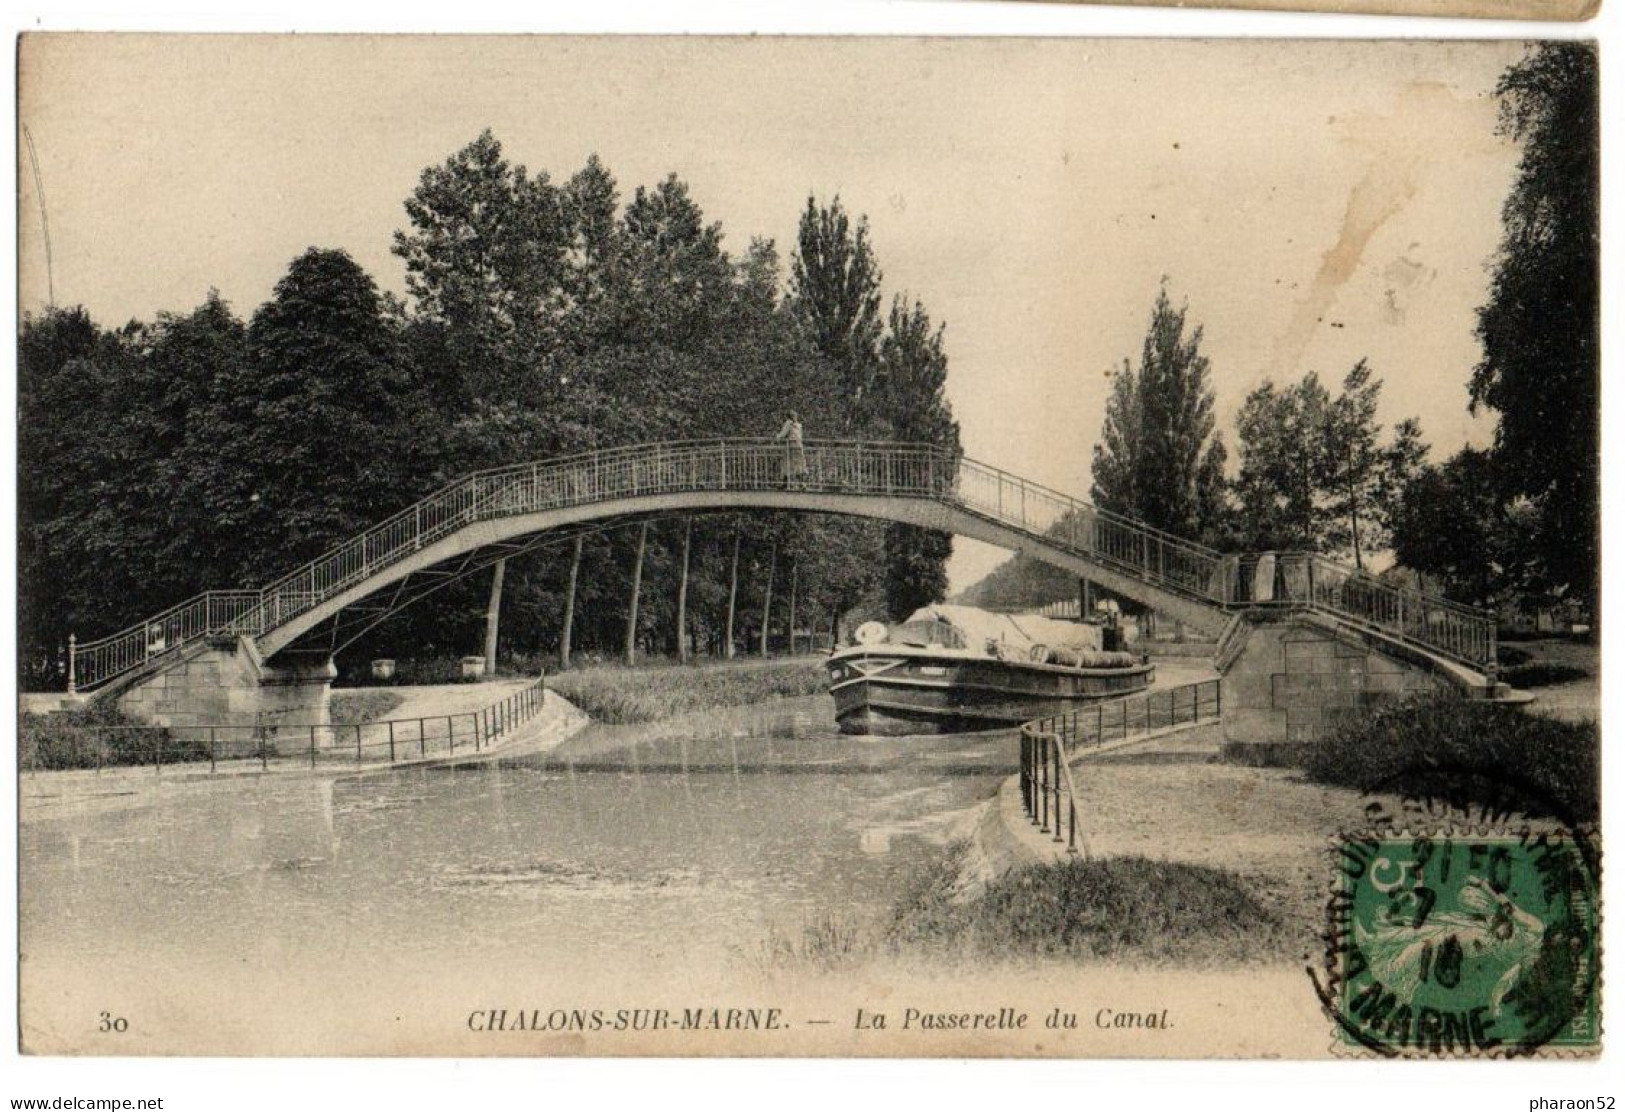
489,515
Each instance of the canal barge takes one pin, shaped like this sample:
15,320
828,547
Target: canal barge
949,669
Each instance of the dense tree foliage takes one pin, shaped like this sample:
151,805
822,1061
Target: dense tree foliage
541,318
1453,527
913,372
1158,459
1540,370
1317,473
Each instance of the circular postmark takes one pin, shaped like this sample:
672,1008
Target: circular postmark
1462,921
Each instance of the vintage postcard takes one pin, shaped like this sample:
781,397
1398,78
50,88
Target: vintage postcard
592,546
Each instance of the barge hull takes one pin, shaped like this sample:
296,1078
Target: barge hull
878,694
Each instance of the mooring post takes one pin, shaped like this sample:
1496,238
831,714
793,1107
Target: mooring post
313,746
73,653
391,741
211,748
358,743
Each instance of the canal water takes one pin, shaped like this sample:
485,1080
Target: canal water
377,911
695,841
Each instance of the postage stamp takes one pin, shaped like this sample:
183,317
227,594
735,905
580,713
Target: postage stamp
1443,945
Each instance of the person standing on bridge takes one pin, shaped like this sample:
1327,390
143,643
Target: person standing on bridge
795,453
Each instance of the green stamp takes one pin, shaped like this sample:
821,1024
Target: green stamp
1451,945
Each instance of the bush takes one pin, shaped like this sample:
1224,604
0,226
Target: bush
98,734
1542,673
1467,754
1108,908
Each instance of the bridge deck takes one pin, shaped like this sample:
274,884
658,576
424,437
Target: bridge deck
917,484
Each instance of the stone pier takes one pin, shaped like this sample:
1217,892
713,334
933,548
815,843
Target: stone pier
1298,672
226,683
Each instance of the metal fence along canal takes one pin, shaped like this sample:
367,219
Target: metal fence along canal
48,745
1050,745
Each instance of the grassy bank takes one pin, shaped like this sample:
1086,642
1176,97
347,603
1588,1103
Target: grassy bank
1115,909
1543,662
617,694
1110,909
355,707
1468,754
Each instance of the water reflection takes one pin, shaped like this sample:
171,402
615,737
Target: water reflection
627,844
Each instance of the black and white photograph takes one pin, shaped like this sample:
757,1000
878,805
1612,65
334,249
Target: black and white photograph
714,546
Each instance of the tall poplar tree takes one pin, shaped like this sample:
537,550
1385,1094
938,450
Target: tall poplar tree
1158,458
913,372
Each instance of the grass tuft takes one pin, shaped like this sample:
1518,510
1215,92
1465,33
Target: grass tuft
1543,673
1111,909
95,735
1117,909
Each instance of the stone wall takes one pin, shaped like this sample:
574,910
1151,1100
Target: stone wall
1296,675
225,683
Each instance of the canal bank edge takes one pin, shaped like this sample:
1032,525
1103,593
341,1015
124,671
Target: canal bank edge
43,795
1004,839
1001,841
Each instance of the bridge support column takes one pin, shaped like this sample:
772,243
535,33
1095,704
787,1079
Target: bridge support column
226,683
1295,678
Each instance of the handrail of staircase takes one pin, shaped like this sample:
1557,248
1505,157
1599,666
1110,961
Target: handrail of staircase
1462,633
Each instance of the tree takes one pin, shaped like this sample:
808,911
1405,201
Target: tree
1452,524
835,293
486,260
1158,459
591,205
77,387
1278,432
913,371
1363,479
1317,473
321,420
1539,328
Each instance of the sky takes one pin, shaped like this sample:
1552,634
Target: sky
1313,202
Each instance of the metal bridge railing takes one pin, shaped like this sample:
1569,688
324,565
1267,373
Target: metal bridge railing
1050,745
50,746
1139,551
1450,629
